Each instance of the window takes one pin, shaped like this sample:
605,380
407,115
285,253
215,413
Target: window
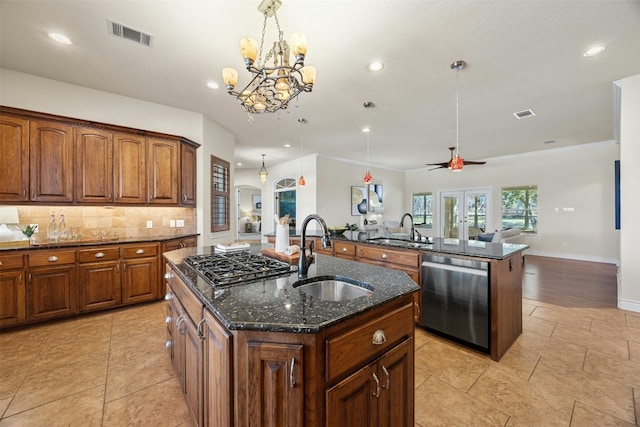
422,204
219,194
520,208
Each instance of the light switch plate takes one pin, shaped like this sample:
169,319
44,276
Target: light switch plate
149,224
172,223
180,223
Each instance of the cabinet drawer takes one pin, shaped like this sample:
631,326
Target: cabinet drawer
354,347
109,253
47,258
192,305
139,251
344,248
11,261
408,258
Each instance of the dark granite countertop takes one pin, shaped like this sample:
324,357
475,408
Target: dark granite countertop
471,248
273,304
79,243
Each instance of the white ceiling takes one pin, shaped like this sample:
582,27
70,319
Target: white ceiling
520,54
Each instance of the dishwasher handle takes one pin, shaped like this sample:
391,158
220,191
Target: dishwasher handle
448,267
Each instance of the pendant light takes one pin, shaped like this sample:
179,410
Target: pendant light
301,181
367,130
263,172
457,162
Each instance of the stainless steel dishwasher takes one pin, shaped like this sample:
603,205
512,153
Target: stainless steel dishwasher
455,299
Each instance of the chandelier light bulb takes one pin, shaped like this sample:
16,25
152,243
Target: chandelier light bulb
249,50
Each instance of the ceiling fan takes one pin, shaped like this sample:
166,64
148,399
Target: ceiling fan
447,165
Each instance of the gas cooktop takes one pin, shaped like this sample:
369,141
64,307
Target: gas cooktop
224,269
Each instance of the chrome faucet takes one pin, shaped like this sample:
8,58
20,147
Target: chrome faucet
306,260
412,234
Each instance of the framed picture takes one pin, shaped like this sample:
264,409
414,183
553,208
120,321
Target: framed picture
257,201
358,200
375,198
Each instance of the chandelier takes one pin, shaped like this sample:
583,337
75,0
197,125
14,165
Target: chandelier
273,86
263,172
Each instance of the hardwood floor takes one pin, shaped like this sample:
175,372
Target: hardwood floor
570,283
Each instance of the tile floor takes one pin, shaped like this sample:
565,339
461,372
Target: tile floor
570,367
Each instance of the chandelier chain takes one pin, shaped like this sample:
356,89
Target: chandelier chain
264,29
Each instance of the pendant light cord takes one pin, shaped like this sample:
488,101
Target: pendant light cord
457,113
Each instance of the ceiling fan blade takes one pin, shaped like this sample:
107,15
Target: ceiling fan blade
437,167
441,164
471,162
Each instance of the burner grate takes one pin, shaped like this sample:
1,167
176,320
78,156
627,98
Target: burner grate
237,267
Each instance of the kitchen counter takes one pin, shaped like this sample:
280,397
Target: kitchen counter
274,305
91,242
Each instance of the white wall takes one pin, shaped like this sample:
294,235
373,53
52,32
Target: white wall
35,93
578,177
629,273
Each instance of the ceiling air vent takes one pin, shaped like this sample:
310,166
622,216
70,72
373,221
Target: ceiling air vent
120,30
524,114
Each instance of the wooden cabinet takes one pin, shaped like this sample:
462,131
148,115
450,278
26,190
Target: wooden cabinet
94,166
343,249
162,160
276,373
14,161
140,273
172,245
51,162
52,289
130,169
379,394
13,309
218,374
99,278
188,176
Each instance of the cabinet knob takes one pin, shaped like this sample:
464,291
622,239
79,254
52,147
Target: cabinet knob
52,258
167,320
168,297
344,249
168,275
1,264
378,337
168,344
384,256
100,255
140,251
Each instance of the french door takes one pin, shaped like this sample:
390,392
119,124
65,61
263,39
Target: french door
465,213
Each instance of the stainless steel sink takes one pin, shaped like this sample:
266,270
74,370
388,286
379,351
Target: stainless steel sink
399,243
333,288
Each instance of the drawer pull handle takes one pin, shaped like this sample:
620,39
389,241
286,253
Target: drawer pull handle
184,197
378,337
167,275
375,378
168,297
292,381
384,369
140,251
100,255
53,258
384,256
200,329
1,264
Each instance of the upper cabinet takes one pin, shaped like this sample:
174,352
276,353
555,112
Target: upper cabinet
51,162
14,162
52,159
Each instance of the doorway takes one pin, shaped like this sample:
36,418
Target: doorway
465,213
249,213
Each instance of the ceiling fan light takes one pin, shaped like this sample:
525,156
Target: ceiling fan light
457,164
367,178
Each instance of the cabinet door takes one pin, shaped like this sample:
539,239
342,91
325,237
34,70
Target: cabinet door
99,285
276,387
352,402
12,298
51,162
218,374
188,175
14,161
130,169
192,368
94,166
139,280
52,292
163,171
395,372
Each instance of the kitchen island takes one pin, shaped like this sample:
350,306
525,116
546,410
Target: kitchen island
267,352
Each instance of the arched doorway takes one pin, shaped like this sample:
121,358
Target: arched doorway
249,212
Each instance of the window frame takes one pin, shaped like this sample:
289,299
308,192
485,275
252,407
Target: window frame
428,208
532,209
219,192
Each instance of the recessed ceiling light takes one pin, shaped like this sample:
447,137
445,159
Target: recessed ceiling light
59,38
366,129
238,164
376,66
594,51
287,145
213,85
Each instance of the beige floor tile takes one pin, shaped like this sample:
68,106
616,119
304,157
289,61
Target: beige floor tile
540,326
48,386
527,307
612,315
92,325
633,320
12,376
611,345
4,404
622,371
636,402
514,423
66,350
615,330
420,338
518,360
144,345
148,319
571,354
137,373
455,368
420,376
562,316
584,415
634,350
439,404
81,409
159,405
597,392
527,402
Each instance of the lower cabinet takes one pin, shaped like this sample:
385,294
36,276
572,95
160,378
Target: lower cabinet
13,309
52,289
99,278
218,374
140,273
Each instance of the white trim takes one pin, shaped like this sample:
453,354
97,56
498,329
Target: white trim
577,257
629,305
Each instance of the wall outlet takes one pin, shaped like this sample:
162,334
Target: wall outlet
149,224
180,223
172,223
34,227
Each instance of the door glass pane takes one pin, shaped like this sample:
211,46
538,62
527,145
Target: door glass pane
451,215
476,215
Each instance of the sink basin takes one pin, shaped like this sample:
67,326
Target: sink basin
399,243
333,288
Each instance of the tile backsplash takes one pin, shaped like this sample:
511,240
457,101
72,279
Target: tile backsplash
126,221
